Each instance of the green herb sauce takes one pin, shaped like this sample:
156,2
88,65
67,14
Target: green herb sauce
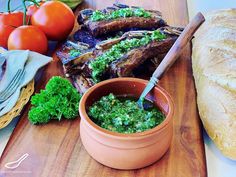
99,64
124,115
120,13
74,52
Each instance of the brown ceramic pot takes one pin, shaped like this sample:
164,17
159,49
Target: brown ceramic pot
126,151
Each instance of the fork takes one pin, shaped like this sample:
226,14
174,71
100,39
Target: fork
2,61
12,86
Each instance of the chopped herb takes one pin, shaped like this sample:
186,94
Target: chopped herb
98,16
120,13
124,115
59,99
99,64
74,52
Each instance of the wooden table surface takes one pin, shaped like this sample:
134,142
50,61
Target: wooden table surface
55,149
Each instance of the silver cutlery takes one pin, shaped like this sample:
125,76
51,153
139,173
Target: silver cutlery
2,61
12,86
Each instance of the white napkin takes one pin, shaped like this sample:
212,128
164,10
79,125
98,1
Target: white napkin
15,60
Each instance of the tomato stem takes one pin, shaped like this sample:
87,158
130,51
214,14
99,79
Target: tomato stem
25,9
9,6
34,2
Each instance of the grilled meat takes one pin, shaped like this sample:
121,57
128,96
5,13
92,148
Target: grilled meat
131,64
125,65
77,65
82,83
107,26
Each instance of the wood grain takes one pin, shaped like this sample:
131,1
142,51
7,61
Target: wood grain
55,149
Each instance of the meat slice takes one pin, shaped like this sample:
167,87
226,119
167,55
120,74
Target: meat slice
82,83
130,64
105,26
125,65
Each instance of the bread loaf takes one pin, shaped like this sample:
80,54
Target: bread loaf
214,70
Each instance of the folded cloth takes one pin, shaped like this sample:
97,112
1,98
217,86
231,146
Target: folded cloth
15,60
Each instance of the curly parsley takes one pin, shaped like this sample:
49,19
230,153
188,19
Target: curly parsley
59,99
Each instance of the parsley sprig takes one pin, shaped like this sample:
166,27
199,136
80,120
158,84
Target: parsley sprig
59,99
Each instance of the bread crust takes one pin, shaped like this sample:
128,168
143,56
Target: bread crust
214,70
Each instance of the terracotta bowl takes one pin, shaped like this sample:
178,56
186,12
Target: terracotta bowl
126,151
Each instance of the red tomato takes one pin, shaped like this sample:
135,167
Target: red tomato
5,31
32,9
8,22
28,37
55,19
14,19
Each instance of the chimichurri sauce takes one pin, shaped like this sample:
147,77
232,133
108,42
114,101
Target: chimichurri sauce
120,13
123,115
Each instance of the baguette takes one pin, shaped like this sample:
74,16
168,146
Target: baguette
214,70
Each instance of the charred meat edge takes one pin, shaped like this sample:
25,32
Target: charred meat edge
82,83
135,57
106,27
124,66
76,65
98,28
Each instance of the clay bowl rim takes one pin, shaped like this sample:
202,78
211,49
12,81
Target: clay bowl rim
98,129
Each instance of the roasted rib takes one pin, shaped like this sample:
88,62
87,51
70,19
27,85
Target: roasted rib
106,26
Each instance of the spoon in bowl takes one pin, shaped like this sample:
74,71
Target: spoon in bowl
171,56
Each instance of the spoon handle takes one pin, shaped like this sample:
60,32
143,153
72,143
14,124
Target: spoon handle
173,54
179,45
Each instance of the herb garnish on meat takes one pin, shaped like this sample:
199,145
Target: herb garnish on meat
99,64
124,116
74,52
120,13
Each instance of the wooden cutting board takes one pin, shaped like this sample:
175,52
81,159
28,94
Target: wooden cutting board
55,149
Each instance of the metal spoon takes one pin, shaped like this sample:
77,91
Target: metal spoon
172,56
